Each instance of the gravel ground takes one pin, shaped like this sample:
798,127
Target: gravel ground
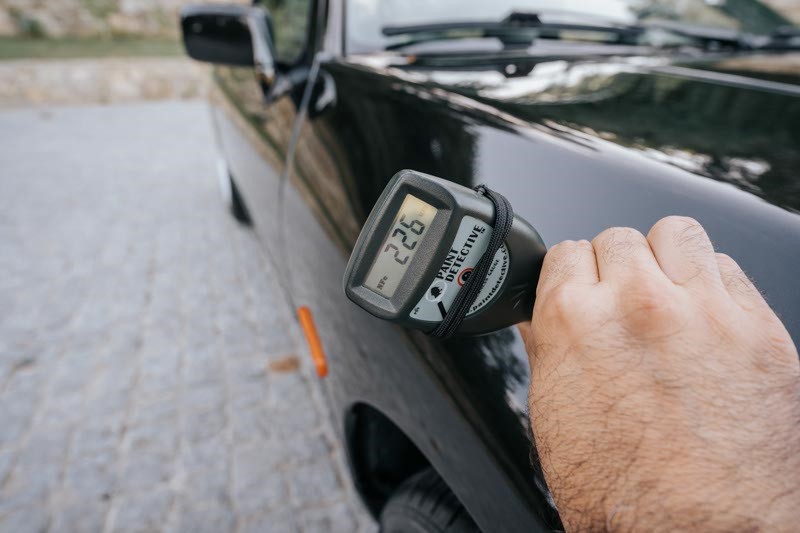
151,375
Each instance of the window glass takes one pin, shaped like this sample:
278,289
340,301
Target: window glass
290,25
366,18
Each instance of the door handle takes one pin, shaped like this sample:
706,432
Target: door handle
324,95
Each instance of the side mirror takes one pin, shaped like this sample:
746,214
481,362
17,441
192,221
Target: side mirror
230,35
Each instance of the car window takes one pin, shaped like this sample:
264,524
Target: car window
290,26
366,18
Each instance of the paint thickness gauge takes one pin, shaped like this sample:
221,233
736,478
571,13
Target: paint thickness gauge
440,257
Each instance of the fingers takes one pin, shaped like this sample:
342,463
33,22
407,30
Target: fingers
623,254
684,252
739,285
568,262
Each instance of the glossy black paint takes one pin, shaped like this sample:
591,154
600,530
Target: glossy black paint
578,145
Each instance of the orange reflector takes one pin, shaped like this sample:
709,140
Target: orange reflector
314,344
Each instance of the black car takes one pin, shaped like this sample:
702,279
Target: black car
614,115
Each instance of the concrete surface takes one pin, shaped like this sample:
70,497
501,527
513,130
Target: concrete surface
151,375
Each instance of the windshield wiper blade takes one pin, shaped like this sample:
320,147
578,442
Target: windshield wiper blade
517,19
784,38
522,28
529,20
711,37
516,30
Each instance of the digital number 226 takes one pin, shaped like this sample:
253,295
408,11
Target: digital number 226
415,227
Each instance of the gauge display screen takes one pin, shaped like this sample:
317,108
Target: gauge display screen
400,245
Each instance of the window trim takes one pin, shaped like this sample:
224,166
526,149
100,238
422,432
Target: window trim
305,55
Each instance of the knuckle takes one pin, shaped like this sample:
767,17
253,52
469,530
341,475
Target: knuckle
615,245
617,235
742,288
650,307
726,260
560,303
560,248
685,234
566,249
629,233
571,311
675,222
684,220
560,261
783,349
616,232
732,275
774,349
665,226
693,236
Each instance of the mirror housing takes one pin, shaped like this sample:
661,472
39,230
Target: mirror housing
230,35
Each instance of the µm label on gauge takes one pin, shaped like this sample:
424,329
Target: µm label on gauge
467,248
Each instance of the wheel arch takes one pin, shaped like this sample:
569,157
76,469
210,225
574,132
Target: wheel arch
380,453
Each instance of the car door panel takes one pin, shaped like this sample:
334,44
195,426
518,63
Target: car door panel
344,158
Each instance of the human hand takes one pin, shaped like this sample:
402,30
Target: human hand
665,393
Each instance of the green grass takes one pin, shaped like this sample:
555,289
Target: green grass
29,48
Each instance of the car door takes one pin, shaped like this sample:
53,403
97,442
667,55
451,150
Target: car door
353,130
254,117
360,126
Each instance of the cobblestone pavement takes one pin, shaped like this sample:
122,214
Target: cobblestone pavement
149,376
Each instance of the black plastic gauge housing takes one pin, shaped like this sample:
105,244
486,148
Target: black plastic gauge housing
512,303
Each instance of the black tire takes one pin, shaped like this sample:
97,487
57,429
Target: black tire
237,207
230,194
425,504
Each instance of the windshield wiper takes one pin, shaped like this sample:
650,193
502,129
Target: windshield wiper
784,38
522,29
712,38
513,32
519,29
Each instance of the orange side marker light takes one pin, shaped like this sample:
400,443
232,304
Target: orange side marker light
312,337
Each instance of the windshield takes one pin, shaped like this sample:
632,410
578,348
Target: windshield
366,19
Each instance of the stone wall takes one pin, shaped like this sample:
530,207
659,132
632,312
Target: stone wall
100,81
92,18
